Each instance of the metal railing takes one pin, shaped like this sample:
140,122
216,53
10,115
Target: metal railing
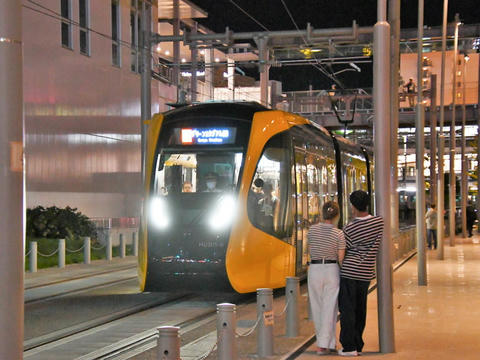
87,248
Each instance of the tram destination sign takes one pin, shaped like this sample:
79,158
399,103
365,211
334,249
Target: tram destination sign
206,136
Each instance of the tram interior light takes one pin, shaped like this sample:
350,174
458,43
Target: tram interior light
223,213
159,213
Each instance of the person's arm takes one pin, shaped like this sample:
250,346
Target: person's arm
341,248
341,256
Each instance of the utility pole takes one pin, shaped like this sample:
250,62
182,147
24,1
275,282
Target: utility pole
176,47
464,187
381,99
145,79
433,139
452,190
441,143
394,20
11,181
420,154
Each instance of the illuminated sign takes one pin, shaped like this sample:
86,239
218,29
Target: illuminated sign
207,136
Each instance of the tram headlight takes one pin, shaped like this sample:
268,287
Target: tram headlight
223,213
159,213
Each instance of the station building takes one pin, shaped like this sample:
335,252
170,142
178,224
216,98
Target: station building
82,97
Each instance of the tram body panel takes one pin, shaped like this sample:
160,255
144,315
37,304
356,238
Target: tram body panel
248,252
254,258
154,127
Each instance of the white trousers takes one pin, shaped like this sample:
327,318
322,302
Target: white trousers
323,287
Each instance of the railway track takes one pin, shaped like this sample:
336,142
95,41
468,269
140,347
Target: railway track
101,315
131,333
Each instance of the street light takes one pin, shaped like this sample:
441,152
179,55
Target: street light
452,190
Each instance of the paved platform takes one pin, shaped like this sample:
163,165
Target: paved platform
438,321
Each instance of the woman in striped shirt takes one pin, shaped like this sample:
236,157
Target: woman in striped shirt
327,249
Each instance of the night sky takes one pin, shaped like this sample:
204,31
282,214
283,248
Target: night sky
322,14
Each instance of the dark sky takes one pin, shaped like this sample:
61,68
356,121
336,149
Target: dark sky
322,14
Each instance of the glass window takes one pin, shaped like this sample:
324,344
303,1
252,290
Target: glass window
84,22
354,178
115,33
270,195
314,195
66,25
195,172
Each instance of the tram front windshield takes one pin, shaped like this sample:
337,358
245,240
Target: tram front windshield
197,172
195,189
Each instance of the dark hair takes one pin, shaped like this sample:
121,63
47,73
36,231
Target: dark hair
258,182
329,210
432,206
360,200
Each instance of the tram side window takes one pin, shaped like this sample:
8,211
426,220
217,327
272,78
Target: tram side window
355,178
314,193
269,197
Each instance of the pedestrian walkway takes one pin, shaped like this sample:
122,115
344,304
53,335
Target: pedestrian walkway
438,321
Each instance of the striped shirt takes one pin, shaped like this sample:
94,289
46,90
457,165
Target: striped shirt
324,241
363,237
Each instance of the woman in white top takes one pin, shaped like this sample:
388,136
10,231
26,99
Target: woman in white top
327,250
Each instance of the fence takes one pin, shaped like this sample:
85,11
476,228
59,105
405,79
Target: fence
404,242
87,249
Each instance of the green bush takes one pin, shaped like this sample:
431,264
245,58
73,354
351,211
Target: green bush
56,223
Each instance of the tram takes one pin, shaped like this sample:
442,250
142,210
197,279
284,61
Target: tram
230,191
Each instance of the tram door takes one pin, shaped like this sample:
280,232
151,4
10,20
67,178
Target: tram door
301,218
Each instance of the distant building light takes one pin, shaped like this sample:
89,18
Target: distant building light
159,49
189,74
167,52
476,44
184,60
202,52
217,59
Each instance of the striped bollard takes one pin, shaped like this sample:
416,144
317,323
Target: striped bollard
33,256
226,326
61,253
168,345
292,291
86,250
265,326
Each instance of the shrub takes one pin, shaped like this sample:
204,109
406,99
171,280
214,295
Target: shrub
56,223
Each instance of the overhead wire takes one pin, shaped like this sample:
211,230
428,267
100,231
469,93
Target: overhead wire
318,66
250,16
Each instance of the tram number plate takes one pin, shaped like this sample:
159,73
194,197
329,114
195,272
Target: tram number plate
268,318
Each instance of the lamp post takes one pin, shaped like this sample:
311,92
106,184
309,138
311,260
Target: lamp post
452,190
420,154
381,97
464,188
441,142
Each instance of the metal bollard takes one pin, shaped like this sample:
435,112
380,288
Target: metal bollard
265,326
33,256
292,292
168,345
61,253
86,250
122,246
108,247
135,244
226,326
